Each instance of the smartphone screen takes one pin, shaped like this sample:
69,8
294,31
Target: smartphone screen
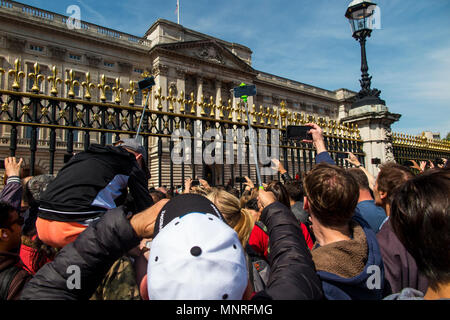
146,83
342,155
240,179
298,132
244,91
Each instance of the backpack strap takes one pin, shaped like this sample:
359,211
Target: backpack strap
262,226
6,277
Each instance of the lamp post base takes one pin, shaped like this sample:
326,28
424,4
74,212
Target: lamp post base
367,100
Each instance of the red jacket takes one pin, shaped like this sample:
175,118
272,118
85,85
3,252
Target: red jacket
27,255
259,239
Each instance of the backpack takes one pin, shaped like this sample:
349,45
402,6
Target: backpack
6,278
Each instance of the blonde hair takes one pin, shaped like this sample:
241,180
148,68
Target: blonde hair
238,218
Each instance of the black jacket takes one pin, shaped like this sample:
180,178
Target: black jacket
93,182
94,252
292,271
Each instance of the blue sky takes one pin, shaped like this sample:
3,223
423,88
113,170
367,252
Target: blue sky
310,41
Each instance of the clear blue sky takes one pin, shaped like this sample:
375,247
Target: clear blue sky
310,41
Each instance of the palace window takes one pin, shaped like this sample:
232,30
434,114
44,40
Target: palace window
75,57
36,48
109,93
108,64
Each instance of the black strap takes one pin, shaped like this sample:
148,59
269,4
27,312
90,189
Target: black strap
286,177
262,226
6,277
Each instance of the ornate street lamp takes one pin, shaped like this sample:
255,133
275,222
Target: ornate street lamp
360,14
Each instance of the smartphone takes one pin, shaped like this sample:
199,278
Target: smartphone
245,91
195,183
2,164
147,83
298,132
342,155
240,180
376,161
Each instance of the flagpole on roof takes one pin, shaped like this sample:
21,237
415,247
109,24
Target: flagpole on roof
178,11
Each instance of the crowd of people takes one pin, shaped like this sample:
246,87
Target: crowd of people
95,231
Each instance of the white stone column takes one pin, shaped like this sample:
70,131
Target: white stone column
218,85
374,123
342,111
181,86
199,95
160,73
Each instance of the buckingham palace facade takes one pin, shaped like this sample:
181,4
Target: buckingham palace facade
180,59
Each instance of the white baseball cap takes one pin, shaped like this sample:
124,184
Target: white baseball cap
196,257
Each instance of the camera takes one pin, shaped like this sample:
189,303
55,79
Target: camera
376,161
195,183
298,132
240,180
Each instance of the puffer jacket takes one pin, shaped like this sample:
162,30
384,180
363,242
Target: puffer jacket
94,252
293,275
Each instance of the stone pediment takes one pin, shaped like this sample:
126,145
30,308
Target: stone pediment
209,51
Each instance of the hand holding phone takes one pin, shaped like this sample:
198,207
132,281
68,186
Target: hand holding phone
317,137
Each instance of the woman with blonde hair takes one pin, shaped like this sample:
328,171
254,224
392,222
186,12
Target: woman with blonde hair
238,218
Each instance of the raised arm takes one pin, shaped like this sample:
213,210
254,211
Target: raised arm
319,144
292,271
352,159
12,192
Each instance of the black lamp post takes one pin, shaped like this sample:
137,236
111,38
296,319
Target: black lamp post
360,15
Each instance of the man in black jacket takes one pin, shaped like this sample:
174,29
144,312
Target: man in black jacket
91,183
293,275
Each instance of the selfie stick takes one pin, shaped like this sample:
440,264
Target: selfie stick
252,141
147,83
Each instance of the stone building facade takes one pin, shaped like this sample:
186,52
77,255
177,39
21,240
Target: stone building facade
179,58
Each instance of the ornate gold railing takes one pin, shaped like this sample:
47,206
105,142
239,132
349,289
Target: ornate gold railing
185,105
410,147
106,109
